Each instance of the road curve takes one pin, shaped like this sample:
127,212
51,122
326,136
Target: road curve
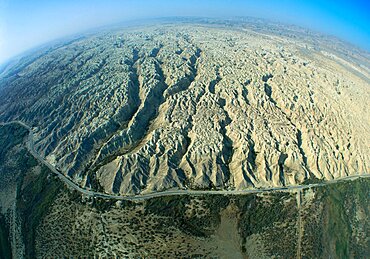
69,182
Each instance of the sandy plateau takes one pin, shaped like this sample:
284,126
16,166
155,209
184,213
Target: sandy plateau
194,105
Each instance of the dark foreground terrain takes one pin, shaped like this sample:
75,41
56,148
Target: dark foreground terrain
41,218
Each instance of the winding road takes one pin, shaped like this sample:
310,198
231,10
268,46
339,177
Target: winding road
69,182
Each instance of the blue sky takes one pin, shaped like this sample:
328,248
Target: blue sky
28,23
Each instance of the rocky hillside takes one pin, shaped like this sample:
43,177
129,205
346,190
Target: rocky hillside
228,105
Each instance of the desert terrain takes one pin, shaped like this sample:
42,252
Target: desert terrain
200,105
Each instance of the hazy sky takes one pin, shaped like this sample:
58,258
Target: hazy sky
28,23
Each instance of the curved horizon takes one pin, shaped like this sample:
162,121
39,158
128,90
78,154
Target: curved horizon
25,25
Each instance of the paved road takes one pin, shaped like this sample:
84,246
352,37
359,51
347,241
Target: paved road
69,182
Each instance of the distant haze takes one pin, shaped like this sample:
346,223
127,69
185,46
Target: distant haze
25,24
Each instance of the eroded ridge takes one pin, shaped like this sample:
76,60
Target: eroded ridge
194,106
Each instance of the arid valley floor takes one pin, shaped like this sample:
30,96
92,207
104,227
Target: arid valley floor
207,105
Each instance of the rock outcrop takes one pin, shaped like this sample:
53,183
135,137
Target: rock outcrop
197,106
